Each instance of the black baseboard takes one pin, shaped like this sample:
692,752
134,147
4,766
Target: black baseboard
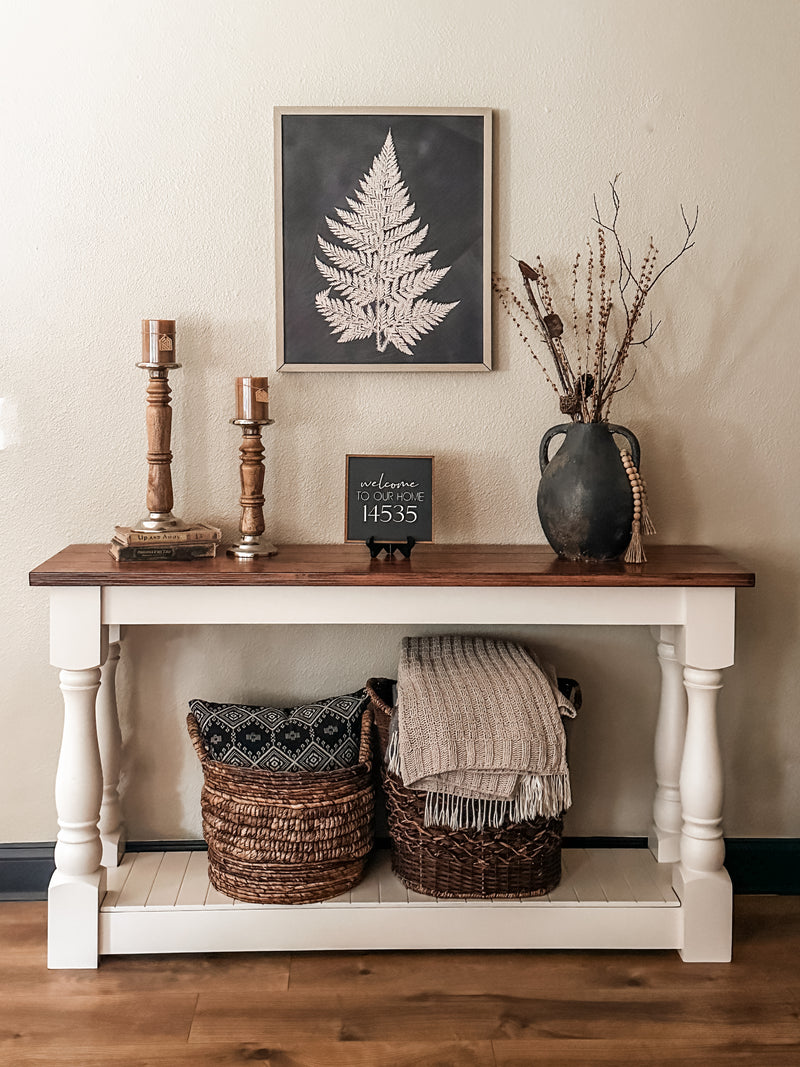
755,864
26,870
764,864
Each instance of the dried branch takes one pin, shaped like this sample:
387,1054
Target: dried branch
561,365
588,386
643,340
626,266
687,244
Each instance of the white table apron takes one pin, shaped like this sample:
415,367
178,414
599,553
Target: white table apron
694,630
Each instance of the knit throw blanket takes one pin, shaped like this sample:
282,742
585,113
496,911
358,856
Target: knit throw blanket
478,728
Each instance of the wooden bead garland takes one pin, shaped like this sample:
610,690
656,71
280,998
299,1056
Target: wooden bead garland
642,523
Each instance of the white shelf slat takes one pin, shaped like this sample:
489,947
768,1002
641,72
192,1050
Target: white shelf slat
649,881
168,879
391,890
116,878
194,885
139,882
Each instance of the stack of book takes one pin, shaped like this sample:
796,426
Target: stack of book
194,542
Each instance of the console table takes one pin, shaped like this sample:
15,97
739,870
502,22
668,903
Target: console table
675,894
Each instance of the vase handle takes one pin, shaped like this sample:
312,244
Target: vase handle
632,441
544,447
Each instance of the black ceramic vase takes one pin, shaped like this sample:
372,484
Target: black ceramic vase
585,500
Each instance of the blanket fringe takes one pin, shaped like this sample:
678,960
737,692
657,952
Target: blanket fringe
538,795
392,757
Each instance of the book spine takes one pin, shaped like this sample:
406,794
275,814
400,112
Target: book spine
155,553
124,535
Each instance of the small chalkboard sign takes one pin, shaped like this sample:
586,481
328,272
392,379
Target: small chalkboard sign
389,499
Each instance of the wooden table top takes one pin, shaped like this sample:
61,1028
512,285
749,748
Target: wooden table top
429,565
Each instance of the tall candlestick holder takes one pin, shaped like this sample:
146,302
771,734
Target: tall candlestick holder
158,358
251,473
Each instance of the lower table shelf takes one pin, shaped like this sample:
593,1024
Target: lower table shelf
608,898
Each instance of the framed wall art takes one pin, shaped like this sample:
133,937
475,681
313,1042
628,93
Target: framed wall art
383,225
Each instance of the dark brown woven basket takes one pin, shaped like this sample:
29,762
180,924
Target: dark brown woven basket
287,837
515,860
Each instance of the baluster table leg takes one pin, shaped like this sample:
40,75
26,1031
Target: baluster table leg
78,647
74,893
700,879
665,835
109,740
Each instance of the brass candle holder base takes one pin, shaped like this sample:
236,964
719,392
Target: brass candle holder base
160,522
251,547
251,473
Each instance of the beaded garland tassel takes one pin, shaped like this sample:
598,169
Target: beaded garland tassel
642,523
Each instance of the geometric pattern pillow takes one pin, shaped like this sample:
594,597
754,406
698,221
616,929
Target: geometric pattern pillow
320,736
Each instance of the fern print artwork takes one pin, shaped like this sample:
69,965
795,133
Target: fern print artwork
377,280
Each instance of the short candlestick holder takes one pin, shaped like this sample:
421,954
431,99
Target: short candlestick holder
159,457
251,473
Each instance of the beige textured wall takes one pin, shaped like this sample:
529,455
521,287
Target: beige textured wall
137,181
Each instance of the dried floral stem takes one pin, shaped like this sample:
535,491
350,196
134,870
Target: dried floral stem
559,358
582,371
608,385
588,386
575,267
589,299
509,301
542,287
602,322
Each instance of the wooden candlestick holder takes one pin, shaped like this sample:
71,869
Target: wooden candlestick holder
251,473
159,456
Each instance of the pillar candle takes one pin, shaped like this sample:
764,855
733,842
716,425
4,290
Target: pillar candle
158,341
252,399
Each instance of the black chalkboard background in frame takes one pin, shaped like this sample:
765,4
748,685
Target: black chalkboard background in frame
389,498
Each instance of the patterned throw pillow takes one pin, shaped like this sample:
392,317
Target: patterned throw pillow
320,736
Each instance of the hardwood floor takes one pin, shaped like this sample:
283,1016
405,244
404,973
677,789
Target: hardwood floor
407,1009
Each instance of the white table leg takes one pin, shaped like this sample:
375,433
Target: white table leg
700,879
110,743
77,643
665,835
74,893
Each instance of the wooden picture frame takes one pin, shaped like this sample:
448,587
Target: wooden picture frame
383,238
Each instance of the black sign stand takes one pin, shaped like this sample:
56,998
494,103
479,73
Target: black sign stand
390,549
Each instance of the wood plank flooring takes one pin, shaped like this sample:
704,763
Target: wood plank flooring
406,1009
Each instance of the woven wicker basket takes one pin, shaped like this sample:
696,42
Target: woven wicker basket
287,837
515,860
